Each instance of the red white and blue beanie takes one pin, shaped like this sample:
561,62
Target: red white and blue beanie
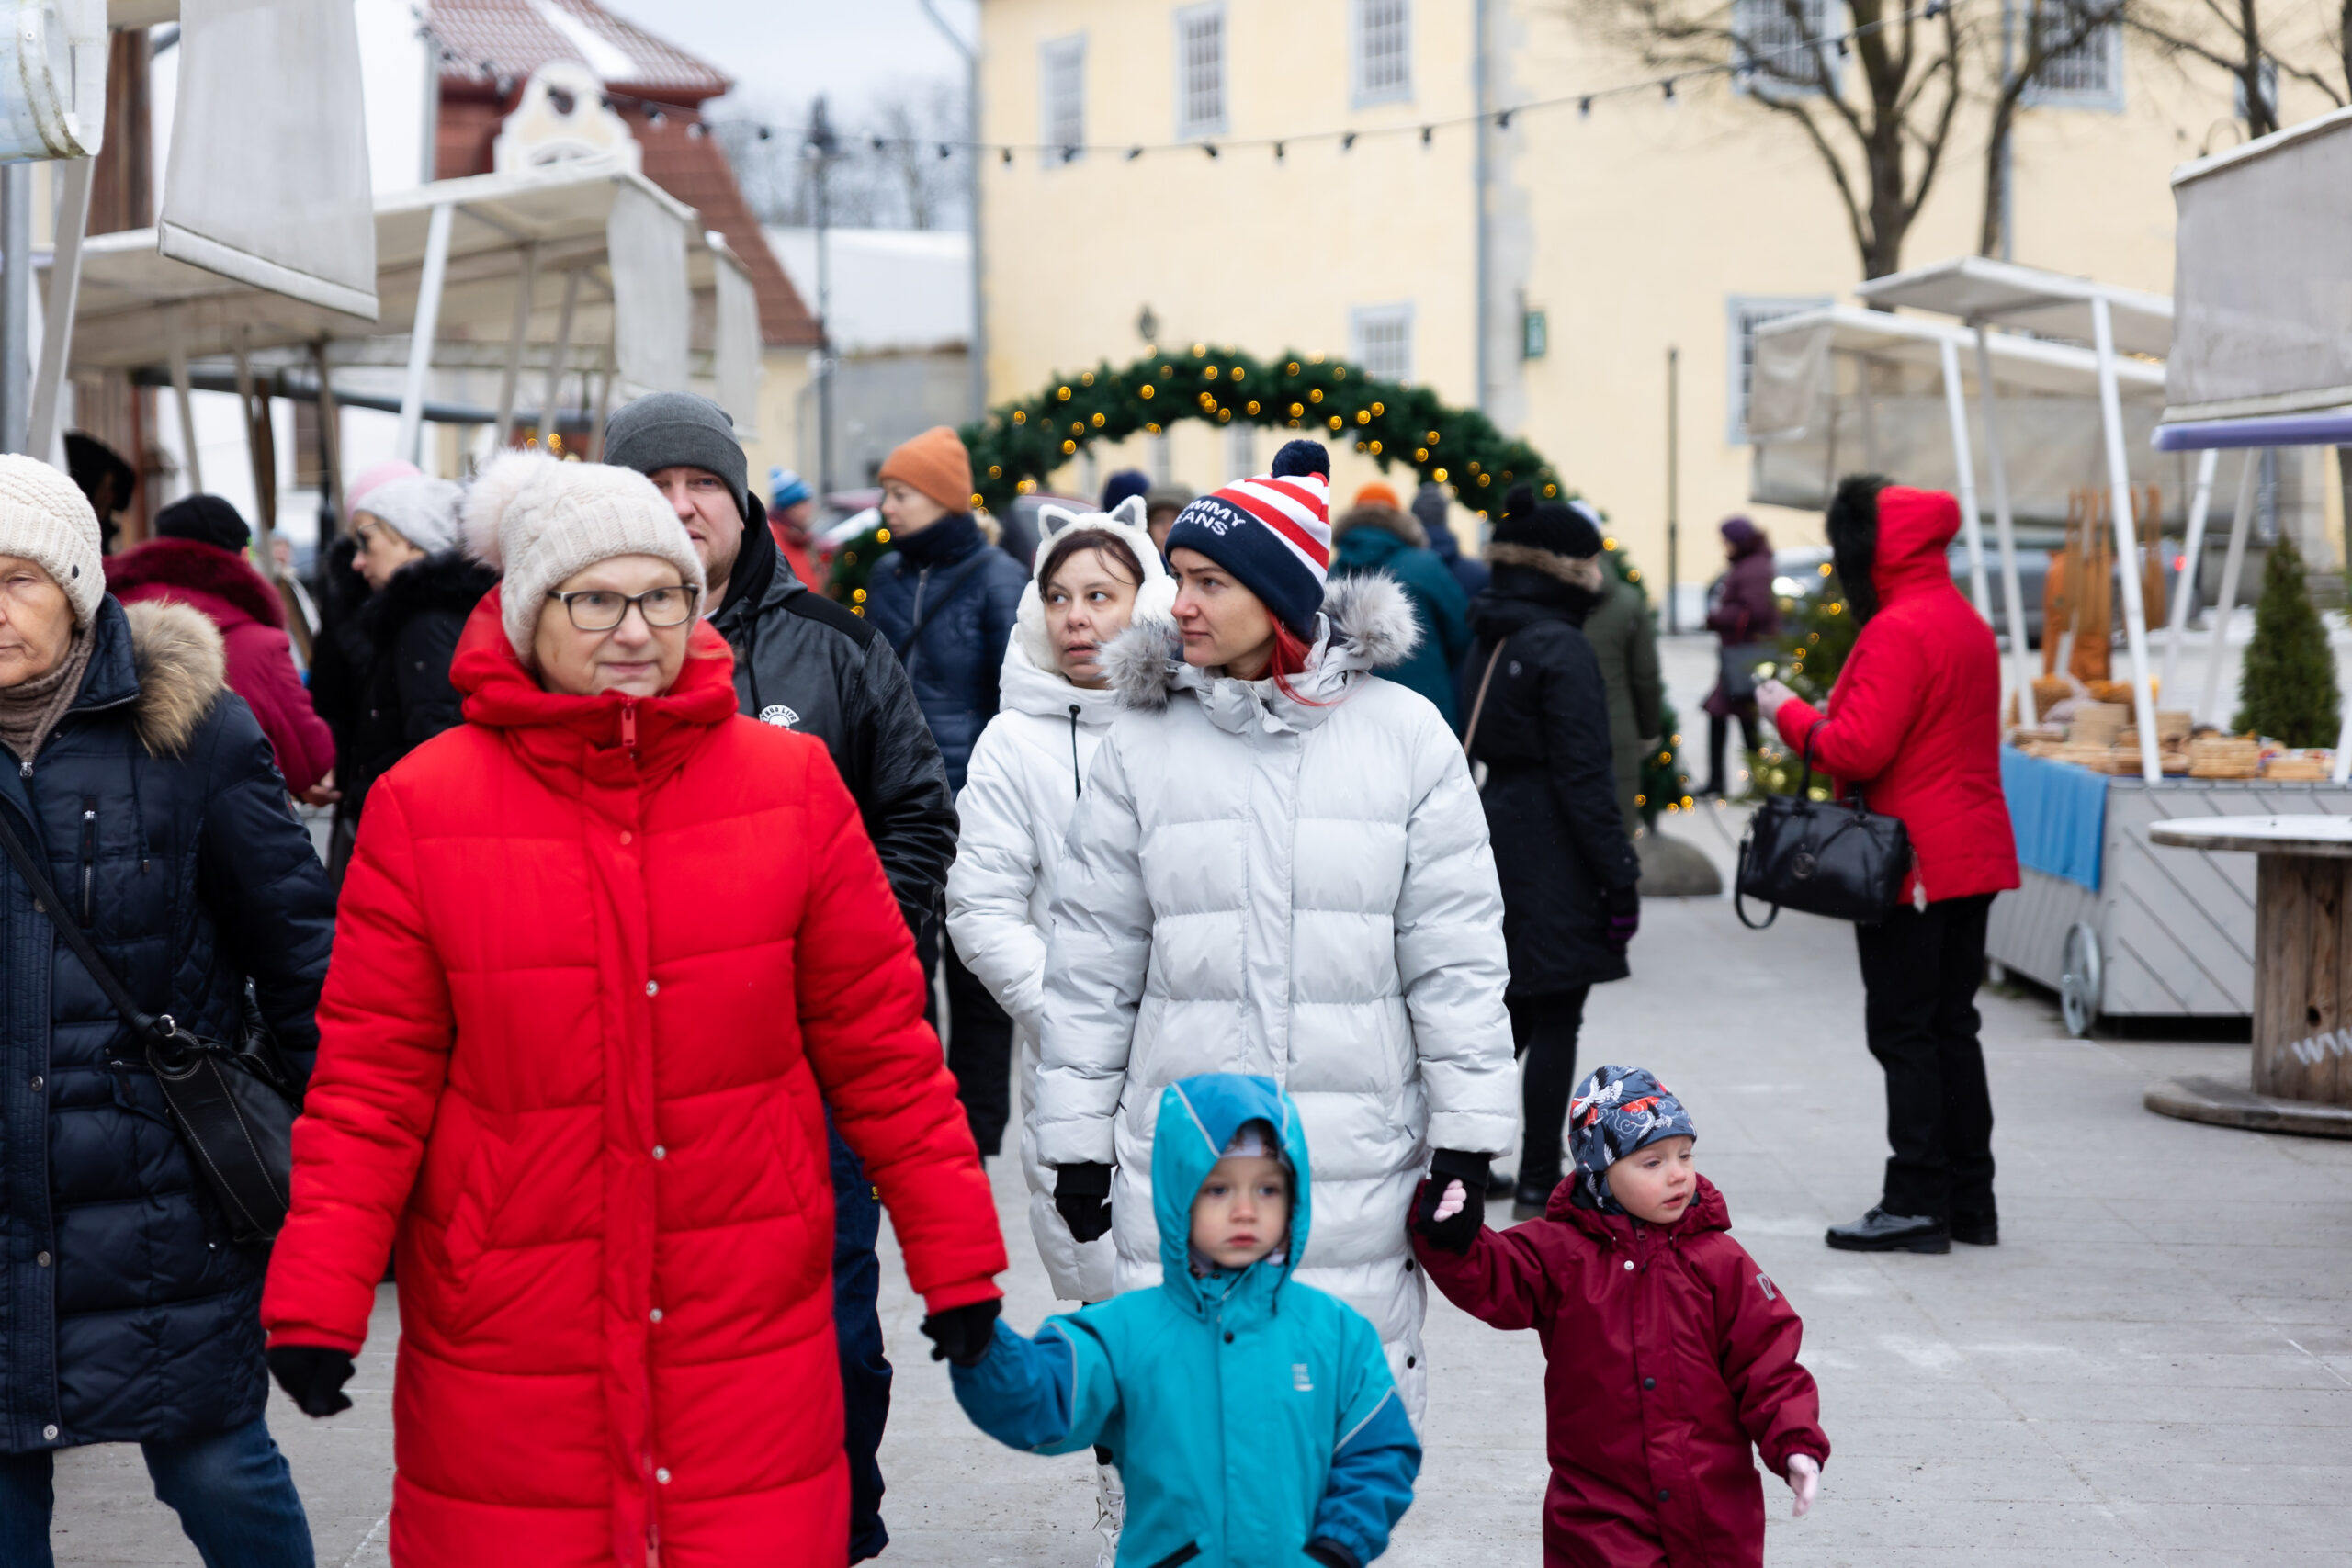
1273,533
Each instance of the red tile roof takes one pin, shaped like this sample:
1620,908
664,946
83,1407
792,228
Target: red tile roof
489,39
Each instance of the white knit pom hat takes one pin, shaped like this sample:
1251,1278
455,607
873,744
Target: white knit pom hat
44,517
539,521
424,509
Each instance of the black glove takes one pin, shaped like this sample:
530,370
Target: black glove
313,1376
1082,1193
1624,907
1457,1234
1331,1554
962,1334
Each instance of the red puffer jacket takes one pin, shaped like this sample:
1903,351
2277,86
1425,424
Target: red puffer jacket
601,967
1668,1354
235,598
1914,720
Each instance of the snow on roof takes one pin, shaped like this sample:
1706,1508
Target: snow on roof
515,38
894,290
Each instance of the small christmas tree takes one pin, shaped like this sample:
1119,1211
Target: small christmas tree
2287,690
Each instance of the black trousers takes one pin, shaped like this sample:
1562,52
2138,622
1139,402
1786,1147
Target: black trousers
1543,1029
1718,734
1920,971
980,1042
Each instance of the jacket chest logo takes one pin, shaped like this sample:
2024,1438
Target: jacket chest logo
1764,1283
778,714
1299,1377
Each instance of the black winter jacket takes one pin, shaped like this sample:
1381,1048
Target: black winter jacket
965,592
1551,797
410,628
125,1313
804,662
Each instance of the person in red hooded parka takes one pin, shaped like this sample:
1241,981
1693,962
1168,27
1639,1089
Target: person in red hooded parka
606,951
1914,725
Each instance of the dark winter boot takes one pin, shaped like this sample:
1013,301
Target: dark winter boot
1879,1231
1977,1230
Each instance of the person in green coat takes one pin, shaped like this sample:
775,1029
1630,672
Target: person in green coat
1376,535
1253,1418
1624,638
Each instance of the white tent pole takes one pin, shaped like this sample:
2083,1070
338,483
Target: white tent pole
64,290
2176,623
175,345
409,443
2241,520
549,410
2127,539
1956,404
2004,531
507,388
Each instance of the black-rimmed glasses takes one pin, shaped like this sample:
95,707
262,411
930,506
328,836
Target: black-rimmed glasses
601,609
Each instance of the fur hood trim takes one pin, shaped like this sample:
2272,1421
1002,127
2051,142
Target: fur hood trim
163,564
1367,625
1576,571
1404,524
183,668
448,580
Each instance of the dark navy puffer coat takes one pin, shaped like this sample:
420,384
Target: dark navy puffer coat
125,1313
948,606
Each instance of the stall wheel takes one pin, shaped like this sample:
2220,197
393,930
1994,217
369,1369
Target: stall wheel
2080,980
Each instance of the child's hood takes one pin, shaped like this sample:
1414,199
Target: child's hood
1198,1117
1708,1211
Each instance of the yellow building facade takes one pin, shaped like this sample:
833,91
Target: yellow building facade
1642,225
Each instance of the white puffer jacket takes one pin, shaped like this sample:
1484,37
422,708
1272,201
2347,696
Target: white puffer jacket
1261,885
1023,783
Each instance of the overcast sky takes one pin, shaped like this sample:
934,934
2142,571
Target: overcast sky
782,53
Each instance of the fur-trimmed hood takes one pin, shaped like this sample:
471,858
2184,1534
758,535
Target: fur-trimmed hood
1388,519
1366,625
181,667
193,567
450,580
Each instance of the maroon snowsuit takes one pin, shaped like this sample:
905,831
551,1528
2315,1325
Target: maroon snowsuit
1668,1354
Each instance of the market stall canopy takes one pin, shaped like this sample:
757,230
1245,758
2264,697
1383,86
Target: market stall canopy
2263,273
1845,391
2027,299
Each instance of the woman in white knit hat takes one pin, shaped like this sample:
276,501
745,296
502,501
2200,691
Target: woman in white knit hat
608,952
141,790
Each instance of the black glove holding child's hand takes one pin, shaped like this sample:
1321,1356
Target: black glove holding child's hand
313,1376
962,1335
1082,1193
1457,1230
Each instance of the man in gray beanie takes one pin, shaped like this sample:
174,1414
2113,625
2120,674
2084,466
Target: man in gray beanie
806,663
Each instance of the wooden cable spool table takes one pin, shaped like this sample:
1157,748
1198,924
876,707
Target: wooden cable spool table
2301,1080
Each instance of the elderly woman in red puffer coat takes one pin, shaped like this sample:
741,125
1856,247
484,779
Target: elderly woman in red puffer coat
607,955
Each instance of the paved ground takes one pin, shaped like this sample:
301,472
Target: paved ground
2155,1367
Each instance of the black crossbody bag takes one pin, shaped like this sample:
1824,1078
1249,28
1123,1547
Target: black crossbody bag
1822,857
234,1105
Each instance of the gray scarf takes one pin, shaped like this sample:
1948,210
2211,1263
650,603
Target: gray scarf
30,709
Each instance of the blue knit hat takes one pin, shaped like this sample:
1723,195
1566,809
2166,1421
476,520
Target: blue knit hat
1616,1111
1273,533
786,489
1123,484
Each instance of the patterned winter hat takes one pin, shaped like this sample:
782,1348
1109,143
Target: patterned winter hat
1617,1110
1274,533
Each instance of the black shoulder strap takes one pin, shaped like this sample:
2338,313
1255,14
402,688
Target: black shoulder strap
45,900
945,595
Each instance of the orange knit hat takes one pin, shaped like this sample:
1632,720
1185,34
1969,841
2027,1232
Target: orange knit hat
937,463
1378,494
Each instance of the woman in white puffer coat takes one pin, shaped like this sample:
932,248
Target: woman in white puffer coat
1278,866
1025,777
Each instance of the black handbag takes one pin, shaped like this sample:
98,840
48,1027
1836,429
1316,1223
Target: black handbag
234,1105
1821,857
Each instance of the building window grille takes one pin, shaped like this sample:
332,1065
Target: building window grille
2084,66
1743,314
1383,46
1380,339
1062,71
1200,70
1779,54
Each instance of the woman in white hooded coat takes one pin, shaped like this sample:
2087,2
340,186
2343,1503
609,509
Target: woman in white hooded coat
1278,866
1026,775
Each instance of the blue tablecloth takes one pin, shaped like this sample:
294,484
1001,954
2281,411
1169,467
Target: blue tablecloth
2059,814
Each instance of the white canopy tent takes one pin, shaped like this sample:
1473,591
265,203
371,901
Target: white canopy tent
2265,356
1983,293
1847,387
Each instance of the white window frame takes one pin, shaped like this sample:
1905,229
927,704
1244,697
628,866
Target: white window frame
1187,18
2107,40
1363,93
1056,57
1363,320
1828,21
1241,451
1743,313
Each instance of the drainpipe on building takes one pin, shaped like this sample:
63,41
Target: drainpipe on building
979,341
1480,184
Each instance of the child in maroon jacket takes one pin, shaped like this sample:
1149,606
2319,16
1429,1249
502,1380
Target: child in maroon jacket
1671,1354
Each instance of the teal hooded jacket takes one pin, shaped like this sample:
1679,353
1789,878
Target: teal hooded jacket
1251,1416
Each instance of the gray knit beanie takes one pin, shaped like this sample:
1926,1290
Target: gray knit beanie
669,430
539,521
422,510
46,519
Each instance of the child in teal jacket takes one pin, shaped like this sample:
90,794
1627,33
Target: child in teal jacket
1252,1417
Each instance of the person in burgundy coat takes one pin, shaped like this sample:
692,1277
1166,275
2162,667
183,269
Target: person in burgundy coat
1743,614
1915,724
197,558
1670,1358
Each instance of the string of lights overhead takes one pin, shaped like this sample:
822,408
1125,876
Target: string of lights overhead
658,112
